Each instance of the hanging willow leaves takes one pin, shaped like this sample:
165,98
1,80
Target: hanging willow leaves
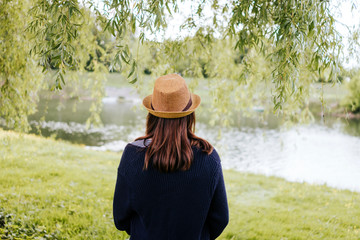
55,28
250,51
20,77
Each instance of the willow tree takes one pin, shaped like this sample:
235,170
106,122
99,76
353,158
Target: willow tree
295,39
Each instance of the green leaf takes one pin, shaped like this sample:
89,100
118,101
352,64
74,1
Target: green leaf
124,58
134,80
132,69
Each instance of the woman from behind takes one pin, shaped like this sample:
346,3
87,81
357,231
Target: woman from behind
170,183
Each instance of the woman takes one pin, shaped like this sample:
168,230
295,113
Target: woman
170,183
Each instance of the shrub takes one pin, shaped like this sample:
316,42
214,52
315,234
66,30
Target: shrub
352,99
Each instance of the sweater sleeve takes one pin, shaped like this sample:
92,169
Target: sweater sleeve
122,211
218,215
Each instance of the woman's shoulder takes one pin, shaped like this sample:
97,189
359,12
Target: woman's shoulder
213,156
139,146
136,146
133,154
141,143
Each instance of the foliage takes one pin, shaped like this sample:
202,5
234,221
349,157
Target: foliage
352,99
20,78
55,28
296,41
67,191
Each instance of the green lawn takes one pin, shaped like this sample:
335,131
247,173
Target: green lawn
56,190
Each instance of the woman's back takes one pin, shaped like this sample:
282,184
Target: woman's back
170,183
179,205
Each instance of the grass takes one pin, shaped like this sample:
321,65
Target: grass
56,190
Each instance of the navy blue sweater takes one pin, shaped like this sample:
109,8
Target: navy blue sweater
184,205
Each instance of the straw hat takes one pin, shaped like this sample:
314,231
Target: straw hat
171,98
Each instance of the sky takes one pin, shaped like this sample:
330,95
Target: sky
351,18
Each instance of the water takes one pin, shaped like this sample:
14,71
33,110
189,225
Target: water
322,154
313,154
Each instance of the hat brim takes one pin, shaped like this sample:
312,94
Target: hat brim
163,114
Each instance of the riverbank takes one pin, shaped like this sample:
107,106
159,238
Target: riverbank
56,190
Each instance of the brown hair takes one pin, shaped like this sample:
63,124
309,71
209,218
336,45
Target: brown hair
171,142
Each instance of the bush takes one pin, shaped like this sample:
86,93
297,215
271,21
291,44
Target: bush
352,99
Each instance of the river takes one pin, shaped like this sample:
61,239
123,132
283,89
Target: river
316,153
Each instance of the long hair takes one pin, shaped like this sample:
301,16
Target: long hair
171,141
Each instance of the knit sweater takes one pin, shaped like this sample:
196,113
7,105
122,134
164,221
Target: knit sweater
181,205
